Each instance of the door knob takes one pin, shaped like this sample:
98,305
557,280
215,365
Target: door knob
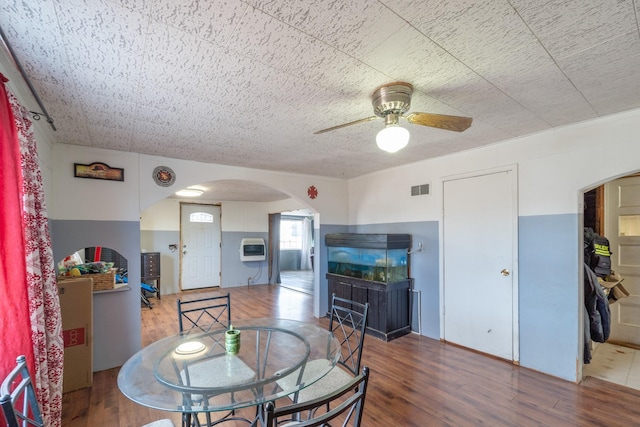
505,272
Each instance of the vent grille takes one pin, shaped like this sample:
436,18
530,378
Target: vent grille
420,190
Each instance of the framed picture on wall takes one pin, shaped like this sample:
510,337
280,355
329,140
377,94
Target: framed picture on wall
98,170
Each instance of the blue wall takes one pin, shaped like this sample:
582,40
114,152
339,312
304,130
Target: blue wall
549,293
290,259
235,272
425,268
113,312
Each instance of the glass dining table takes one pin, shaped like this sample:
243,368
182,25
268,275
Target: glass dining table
192,372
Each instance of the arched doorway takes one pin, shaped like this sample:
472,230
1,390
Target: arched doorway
613,210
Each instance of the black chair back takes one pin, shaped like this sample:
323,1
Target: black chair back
205,313
18,398
348,323
347,401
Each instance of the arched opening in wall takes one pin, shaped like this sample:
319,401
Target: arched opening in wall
107,268
245,209
612,344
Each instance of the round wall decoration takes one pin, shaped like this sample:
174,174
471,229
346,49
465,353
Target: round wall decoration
312,192
164,176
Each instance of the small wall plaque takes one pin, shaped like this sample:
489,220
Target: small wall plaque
164,176
98,170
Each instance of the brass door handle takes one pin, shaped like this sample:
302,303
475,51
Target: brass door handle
505,272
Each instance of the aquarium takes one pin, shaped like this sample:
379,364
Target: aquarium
375,257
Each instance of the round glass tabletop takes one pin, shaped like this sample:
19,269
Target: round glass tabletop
193,372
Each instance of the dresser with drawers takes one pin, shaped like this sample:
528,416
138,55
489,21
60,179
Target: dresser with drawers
150,269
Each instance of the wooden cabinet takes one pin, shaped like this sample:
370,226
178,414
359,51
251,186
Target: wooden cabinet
150,269
389,315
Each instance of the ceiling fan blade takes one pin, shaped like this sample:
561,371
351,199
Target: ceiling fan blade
368,119
440,121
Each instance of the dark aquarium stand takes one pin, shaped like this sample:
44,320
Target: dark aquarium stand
373,268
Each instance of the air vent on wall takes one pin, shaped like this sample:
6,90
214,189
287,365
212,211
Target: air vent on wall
420,190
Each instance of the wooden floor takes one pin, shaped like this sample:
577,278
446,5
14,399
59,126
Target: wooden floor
299,280
415,381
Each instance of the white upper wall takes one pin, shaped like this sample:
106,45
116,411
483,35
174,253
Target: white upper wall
91,199
94,199
236,216
332,193
245,216
553,167
287,205
163,216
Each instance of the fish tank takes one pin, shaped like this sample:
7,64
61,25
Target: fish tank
374,257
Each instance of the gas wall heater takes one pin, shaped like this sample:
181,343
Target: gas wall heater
252,249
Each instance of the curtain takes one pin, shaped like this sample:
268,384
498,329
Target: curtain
307,244
31,318
274,249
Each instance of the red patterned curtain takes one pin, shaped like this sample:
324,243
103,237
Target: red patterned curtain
30,319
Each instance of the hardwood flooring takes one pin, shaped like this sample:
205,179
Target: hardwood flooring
299,280
415,381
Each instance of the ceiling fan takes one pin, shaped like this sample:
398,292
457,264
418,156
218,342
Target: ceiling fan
390,102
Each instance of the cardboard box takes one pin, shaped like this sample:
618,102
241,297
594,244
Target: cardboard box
76,304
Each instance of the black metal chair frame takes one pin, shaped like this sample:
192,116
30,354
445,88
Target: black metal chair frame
349,320
215,310
22,392
352,406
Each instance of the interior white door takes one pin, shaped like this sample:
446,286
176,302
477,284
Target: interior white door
622,228
478,241
200,248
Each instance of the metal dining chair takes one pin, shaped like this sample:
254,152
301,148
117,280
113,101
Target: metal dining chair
348,400
348,324
203,315
18,397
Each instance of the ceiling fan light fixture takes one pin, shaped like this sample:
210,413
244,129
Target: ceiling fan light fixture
189,192
392,138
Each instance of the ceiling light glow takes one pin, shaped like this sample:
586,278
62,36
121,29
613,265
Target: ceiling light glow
189,192
392,138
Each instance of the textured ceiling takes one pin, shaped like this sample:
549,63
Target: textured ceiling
246,83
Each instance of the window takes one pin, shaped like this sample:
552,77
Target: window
290,234
200,217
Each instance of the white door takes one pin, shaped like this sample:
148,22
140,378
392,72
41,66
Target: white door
479,285
622,228
200,249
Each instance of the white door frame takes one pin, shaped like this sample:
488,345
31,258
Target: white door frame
514,186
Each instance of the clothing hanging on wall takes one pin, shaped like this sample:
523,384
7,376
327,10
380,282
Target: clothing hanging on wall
597,310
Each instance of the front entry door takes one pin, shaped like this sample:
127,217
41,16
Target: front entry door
200,246
479,289
622,228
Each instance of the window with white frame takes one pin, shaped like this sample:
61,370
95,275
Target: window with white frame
290,233
200,217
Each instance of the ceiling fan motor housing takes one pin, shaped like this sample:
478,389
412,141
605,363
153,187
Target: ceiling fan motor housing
392,98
